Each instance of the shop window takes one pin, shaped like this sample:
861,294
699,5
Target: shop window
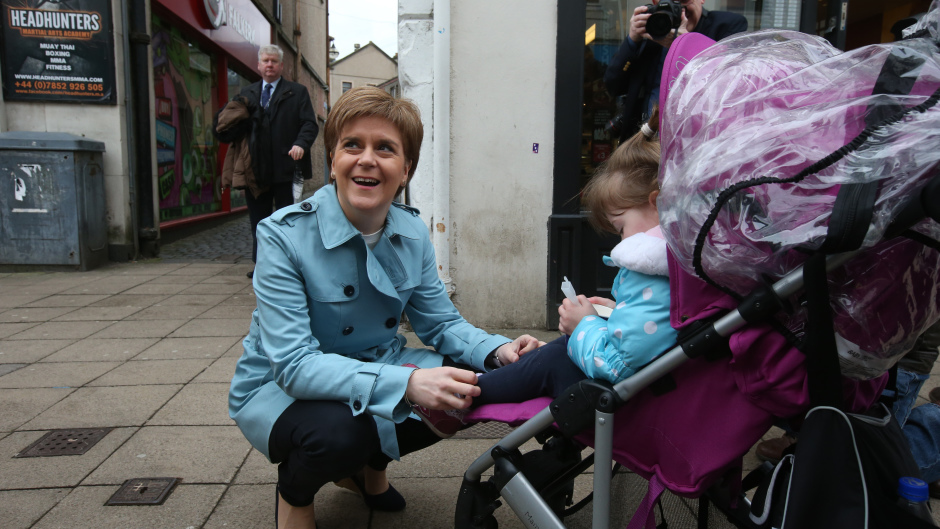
607,24
186,99
347,86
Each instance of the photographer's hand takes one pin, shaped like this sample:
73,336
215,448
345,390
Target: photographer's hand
638,24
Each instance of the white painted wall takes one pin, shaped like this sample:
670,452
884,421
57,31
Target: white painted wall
105,123
502,76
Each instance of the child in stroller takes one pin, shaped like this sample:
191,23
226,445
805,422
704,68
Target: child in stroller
621,198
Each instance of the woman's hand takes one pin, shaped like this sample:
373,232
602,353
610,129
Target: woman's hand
437,388
510,352
570,315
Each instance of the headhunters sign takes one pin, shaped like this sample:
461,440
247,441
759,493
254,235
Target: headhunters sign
54,52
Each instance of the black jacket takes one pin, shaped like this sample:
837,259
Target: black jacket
630,71
289,120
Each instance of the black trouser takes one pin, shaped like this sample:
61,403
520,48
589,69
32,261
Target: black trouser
259,208
545,372
316,442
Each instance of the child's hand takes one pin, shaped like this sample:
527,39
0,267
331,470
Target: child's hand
609,303
570,315
510,352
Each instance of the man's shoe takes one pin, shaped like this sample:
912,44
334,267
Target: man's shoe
772,450
934,490
934,395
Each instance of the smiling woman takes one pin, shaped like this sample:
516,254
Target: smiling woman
326,387
375,141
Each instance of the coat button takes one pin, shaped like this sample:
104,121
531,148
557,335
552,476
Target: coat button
306,206
349,291
347,331
357,405
390,322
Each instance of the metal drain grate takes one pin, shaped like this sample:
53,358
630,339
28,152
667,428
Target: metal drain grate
73,442
485,430
143,491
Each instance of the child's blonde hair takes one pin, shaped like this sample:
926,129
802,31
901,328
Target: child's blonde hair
627,178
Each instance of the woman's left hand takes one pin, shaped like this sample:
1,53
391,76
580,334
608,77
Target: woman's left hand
510,352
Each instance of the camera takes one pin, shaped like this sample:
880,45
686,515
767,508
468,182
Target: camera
664,17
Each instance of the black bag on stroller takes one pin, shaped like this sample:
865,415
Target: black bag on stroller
846,467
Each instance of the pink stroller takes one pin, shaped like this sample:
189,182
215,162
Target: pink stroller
775,147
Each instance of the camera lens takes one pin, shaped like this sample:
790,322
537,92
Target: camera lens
659,24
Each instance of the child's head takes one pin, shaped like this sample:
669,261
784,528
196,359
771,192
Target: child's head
621,196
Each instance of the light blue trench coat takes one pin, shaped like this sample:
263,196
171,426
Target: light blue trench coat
326,324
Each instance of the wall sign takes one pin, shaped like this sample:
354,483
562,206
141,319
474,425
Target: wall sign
58,50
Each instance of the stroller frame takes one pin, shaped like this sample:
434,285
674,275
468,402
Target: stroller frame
569,411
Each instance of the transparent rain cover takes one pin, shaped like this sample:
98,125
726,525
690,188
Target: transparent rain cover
773,105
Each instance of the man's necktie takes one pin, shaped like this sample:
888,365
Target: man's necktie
266,95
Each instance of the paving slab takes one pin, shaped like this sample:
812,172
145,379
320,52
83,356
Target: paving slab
194,299
56,374
28,351
256,470
236,351
19,299
188,506
98,313
196,405
9,368
214,288
225,311
253,506
10,329
170,348
21,405
109,285
57,330
222,370
54,471
20,509
97,407
178,280
160,311
198,454
229,279
156,288
94,349
213,327
71,300
201,269
246,297
129,300
144,267
142,372
38,314
134,329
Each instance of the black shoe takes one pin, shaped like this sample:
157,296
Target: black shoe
389,501
250,274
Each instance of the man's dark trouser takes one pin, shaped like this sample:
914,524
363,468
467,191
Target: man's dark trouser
259,208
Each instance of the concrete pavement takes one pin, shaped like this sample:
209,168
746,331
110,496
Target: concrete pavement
147,350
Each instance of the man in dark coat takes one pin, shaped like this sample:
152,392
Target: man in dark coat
284,131
635,71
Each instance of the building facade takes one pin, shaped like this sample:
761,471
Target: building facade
176,63
366,66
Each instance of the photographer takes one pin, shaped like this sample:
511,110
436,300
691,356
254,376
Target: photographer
635,70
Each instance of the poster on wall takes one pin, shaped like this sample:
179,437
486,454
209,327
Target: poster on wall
58,50
184,77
